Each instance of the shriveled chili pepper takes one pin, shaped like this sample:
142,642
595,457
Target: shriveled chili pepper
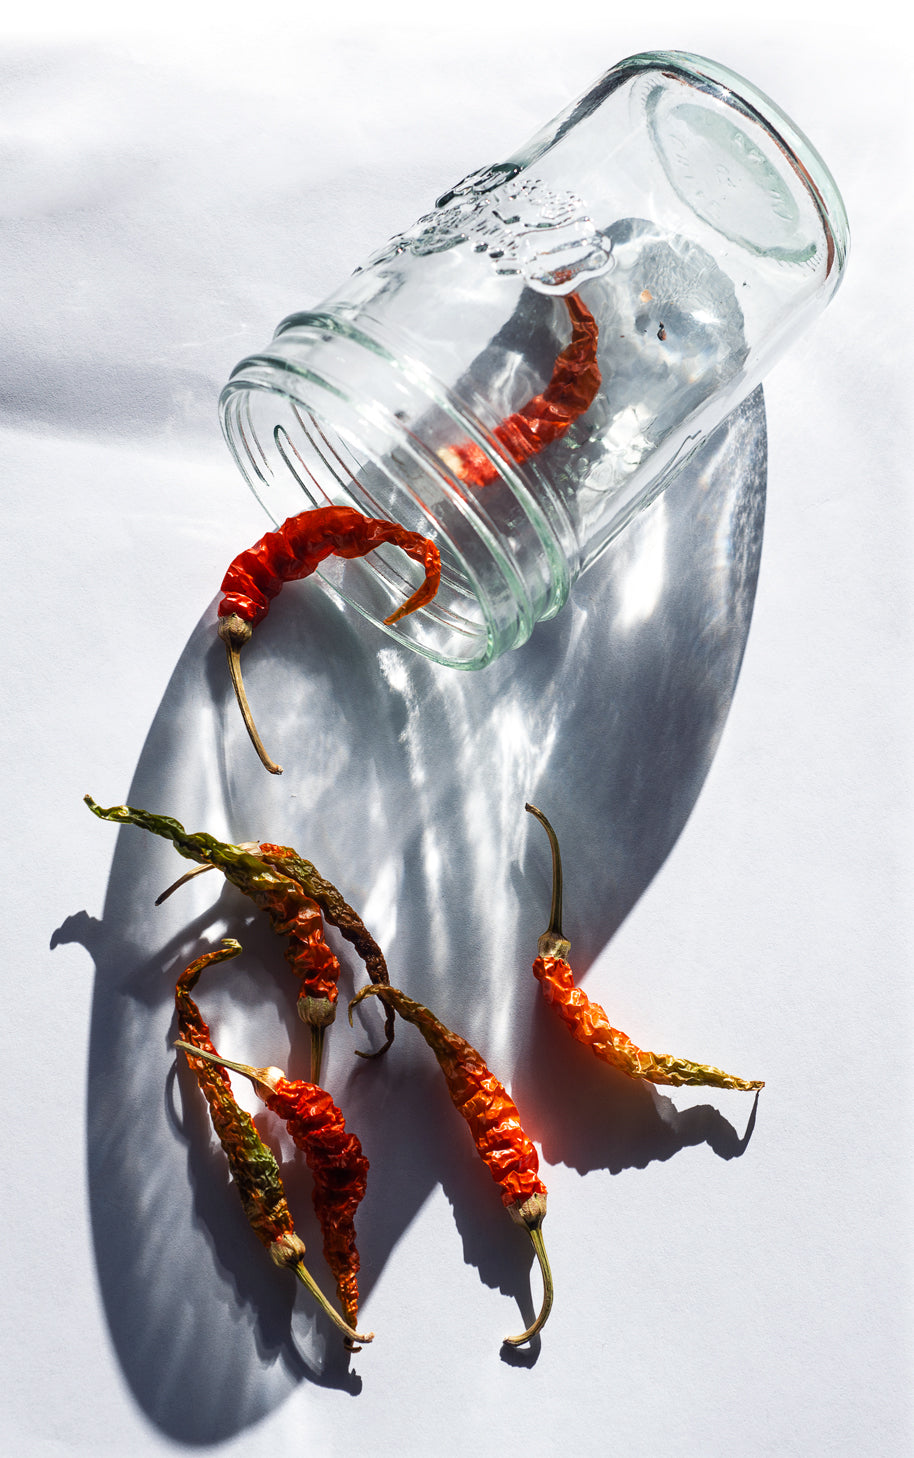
272,880
572,389
336,910
294,551
494,1122
336,1162
339,914
588,1021
253,1166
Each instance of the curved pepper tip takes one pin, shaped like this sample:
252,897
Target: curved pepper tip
425,592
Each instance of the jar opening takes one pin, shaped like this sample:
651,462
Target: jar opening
296,456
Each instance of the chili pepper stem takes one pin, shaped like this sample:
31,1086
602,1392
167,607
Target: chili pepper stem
306,1278
266,1077
318,1013
244,845
181,881
235,632
317,1052
536,1236
553,943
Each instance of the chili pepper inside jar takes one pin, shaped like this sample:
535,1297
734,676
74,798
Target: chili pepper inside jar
522,370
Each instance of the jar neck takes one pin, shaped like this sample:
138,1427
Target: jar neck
330,414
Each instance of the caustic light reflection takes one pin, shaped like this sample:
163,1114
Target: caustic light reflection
642,580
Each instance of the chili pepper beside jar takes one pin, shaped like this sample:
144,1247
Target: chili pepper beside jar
254,1169
588,1022
294,909
335,1159
494,1123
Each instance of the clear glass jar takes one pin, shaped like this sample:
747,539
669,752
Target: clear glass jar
700,231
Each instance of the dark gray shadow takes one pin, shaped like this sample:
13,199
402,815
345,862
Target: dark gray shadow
405,783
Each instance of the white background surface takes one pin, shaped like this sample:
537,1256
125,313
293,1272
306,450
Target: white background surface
169,193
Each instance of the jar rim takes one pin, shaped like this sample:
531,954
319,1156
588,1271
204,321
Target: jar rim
311,404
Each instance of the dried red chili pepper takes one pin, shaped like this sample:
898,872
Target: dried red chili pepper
254,1168
336,1162
572,389
293,894
493,1121
294,551
588,1021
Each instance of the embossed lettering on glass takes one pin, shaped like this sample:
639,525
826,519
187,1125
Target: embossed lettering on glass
526,367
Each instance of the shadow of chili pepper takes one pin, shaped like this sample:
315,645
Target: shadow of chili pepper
406,1139
261,1308
211,1335
416,1141
589,1116
405,784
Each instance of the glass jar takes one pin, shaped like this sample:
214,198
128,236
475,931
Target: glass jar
455,385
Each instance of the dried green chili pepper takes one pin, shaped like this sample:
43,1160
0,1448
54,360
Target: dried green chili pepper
339,914
335,1159
294,907
337,911
493,1121
254,1169
588,1021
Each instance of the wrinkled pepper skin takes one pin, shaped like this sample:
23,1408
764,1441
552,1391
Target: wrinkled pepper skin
494,1123
589,1025
547,417
339,914
340,1172
293,914
302,543
296,550
254,1169
490,1112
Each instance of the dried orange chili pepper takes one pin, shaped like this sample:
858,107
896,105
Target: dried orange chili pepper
336,1162
588,1021
339,914
572,389
294,551
254,1168
292,893
494,1122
